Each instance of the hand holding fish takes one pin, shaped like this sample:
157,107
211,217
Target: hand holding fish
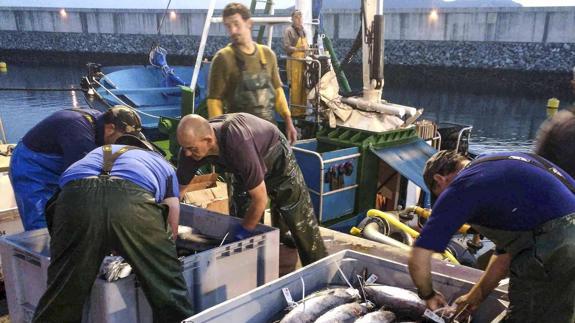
436,301
468,303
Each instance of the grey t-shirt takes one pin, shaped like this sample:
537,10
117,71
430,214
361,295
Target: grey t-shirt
290,38
243,144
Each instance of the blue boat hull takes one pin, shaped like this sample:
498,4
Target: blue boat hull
144,88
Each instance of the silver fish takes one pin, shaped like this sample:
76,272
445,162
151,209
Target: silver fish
190,241
377,317
317,304
404,303
345,313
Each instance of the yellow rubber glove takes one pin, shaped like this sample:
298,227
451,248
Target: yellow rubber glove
215,108
281,103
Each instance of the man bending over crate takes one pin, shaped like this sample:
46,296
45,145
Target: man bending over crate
258,153
120,197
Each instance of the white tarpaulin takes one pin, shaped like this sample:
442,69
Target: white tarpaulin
339,113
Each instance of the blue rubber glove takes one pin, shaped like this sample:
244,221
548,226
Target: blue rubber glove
241,233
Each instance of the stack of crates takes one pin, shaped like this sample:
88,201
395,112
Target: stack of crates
368,163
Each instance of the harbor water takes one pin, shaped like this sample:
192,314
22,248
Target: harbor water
500,121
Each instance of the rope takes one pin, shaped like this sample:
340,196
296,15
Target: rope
163,17
124,103
41,89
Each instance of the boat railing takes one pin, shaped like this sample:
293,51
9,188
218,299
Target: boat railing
316,62
3,133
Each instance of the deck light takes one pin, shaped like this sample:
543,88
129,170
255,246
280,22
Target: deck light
172,15
433,16
63,13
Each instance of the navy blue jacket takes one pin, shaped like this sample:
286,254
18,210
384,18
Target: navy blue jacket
507,195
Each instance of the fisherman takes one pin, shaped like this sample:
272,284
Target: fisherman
556,140
54,144
244,75
526,206
124,198
259,154
295,45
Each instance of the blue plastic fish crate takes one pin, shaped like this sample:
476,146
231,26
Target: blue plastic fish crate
318,165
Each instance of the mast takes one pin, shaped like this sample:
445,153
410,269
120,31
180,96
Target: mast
373,47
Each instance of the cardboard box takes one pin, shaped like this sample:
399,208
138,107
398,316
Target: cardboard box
206,192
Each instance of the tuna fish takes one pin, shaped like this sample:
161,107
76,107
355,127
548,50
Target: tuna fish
404,303
190,241
319,303
345,313
377,317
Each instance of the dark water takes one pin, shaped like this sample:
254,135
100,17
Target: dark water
500,122
21,110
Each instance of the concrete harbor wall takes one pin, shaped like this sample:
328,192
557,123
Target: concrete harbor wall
530,40
538,25
540,39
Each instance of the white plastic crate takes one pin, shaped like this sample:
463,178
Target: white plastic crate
10,222
212,276
266,302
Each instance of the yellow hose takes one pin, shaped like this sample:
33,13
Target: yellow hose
392,220
427,213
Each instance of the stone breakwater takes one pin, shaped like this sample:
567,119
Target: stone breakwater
536,67
552,57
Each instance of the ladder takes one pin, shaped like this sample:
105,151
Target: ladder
268,11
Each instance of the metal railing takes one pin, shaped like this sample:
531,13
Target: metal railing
317,85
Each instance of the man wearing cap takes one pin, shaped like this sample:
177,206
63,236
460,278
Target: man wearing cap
244,76
295,45
526,206
54,144
258,153
123,198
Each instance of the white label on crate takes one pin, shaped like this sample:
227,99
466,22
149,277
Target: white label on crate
287,296
353,292
432,316
371,279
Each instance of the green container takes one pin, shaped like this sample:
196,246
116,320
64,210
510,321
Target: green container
169,126
368,163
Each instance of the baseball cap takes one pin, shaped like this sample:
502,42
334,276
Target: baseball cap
126,119
132,140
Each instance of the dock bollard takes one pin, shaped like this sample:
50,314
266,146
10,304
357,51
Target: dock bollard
3,67
552,106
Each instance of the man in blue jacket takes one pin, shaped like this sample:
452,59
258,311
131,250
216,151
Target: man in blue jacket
54,144
122,198
526,206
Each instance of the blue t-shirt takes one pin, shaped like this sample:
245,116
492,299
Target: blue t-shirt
66,133
509,195
141,167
